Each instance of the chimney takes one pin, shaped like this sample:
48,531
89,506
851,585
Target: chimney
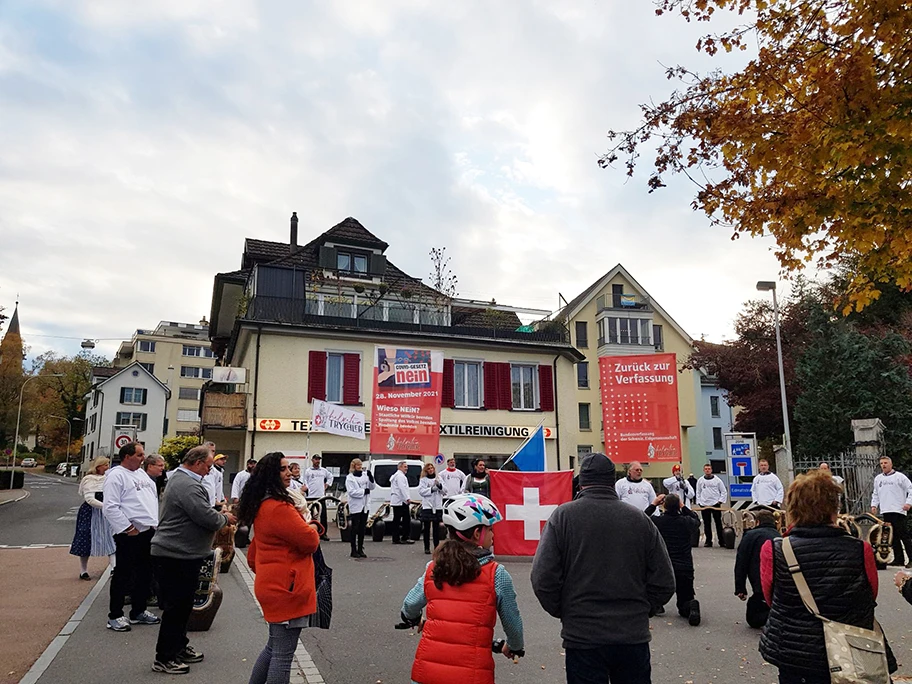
294,230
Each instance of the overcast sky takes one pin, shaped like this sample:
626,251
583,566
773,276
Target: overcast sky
141,142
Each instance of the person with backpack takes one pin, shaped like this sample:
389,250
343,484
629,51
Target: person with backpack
464,591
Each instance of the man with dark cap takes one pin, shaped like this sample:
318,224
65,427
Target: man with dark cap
604,601
747,567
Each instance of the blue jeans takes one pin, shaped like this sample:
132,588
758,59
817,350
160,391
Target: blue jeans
274,664
616,663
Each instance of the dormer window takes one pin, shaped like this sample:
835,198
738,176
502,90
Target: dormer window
352,263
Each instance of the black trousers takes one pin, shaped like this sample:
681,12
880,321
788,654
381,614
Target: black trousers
178,579
426,526
900,537
708,517
132,573
684,589
617,663
358,522
401,523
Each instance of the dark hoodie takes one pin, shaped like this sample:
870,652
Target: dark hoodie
601,564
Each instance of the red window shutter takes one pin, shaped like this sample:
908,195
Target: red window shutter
448,400
316,376
506,389
546,388
351,379
491,388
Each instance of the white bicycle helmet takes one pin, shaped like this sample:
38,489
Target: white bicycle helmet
466,511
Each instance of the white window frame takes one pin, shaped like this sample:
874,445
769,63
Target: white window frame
341,357
194,419
588,406
202,373
148,343
578,366
533,369
715,406
191,350
144,393
192,389
136,419
479,369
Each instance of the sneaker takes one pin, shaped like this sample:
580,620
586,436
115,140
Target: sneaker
694,617
85,576
119,624
361,554
145,618
190,655
324,538
170,667
354,554
407,541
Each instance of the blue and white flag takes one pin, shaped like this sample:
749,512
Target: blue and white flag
530,457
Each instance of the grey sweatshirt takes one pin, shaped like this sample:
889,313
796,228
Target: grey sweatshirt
188,523
600,567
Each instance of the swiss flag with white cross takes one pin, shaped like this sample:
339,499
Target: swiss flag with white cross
526,501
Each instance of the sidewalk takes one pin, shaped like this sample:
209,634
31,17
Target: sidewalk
12,495
93,653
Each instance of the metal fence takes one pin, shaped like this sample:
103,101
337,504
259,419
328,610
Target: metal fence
858,471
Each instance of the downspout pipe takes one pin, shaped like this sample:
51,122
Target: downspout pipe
557,411
256,384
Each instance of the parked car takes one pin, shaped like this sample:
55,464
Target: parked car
62,469
29,462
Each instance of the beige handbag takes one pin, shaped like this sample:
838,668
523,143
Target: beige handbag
855,655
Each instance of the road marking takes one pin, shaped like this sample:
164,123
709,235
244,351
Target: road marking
35,546
307,668
70,514
44,661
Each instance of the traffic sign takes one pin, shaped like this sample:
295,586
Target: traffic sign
742,466
122,440
739,491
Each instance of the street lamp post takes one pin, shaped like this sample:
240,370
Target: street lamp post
19,416
769,286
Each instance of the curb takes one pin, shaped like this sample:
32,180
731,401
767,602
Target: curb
45,659
25,495
307,669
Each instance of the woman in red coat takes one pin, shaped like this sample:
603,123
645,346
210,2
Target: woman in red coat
281,555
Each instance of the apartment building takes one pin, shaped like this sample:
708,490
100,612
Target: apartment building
180,356
304,320
616,316
717,419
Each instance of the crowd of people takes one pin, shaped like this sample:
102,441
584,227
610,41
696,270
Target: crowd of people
158,542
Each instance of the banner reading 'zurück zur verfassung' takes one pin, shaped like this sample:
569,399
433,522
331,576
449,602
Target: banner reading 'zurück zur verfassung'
405,418
640,407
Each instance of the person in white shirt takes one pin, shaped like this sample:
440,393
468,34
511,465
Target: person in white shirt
452,480
358,484
766,489
825,467
711,494
241,479
296,483
893,496
399,500
317,479
214,482
131,508
633,489
430,488
677,485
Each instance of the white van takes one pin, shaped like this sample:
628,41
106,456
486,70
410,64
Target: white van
382,469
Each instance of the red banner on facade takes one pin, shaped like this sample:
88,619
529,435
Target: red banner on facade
526,501
640,408
405,418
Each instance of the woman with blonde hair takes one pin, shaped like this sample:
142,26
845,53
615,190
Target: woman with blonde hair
840,571
358,484
431,491
94,536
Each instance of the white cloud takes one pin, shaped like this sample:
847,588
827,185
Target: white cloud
143,141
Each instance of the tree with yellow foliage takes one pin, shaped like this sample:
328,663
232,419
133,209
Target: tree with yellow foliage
811,141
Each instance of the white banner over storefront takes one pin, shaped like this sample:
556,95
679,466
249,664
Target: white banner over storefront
446,429
337,420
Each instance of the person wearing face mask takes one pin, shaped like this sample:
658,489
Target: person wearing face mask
478,482
633,489
766,489
358,484
465,591
453,480
431,491
677,485
711,496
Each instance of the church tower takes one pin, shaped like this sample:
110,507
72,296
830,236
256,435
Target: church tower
11,356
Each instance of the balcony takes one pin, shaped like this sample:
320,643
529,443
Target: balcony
623,302
350,314
224,411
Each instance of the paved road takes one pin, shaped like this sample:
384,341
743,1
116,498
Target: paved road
47,516
362,645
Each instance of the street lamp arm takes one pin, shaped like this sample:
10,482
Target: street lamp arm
19,417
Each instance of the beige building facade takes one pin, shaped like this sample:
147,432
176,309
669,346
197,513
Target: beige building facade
616,316
180,356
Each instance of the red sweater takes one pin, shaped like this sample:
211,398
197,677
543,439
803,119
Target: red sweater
281,556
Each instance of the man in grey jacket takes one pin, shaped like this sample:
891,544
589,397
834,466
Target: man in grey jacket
183,541
601,568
